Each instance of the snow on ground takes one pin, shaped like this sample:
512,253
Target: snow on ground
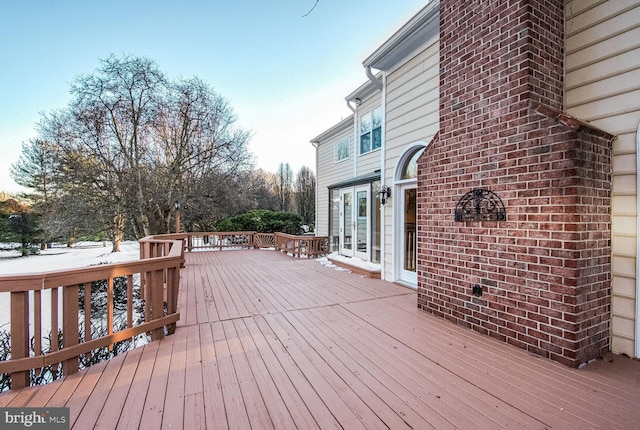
352,261
62,257
84,254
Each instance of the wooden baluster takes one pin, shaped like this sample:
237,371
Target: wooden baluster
70,325
37,324
19,335
110,308
87,311
55,339
129,301
147,295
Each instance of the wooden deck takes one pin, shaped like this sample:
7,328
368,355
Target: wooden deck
268,341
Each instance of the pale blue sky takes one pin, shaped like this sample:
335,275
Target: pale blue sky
285,75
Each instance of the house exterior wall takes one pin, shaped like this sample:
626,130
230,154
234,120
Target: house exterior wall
331,172
412,116
603,88
597,84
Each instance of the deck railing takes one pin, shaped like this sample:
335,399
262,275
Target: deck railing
297,246
219,240
158,274
302,246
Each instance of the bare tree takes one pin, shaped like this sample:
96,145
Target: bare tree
259,184
132,142
305,195
284,186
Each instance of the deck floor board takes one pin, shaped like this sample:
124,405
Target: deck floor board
270,341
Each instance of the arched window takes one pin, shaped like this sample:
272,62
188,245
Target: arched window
409,169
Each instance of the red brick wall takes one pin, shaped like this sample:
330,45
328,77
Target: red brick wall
545,271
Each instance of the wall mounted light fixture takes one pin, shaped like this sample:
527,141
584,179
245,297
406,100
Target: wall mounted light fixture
385,193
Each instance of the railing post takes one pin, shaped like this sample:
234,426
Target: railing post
19,335
182,261
173,281
156,308
70,336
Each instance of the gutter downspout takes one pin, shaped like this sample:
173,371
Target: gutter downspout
350,106
383,165
373,79
315,212
356,151
637,315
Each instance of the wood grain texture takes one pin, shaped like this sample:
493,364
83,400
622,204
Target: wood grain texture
301,345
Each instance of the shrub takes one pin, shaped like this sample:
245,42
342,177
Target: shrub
262,221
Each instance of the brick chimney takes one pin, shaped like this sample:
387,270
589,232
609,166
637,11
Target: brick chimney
542,275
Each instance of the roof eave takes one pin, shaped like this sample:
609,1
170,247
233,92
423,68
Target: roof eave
365,90
423,28
343,125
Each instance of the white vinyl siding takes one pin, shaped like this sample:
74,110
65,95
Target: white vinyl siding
330,173
602,86
412,116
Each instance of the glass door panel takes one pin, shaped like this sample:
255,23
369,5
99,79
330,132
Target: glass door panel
346,223
410,239
408,235
362,223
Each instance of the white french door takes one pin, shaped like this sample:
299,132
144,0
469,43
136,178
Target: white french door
346,222
355,226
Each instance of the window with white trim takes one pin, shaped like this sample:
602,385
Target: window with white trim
342,150
371,130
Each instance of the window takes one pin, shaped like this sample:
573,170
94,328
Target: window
341,150
410,168
371,130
